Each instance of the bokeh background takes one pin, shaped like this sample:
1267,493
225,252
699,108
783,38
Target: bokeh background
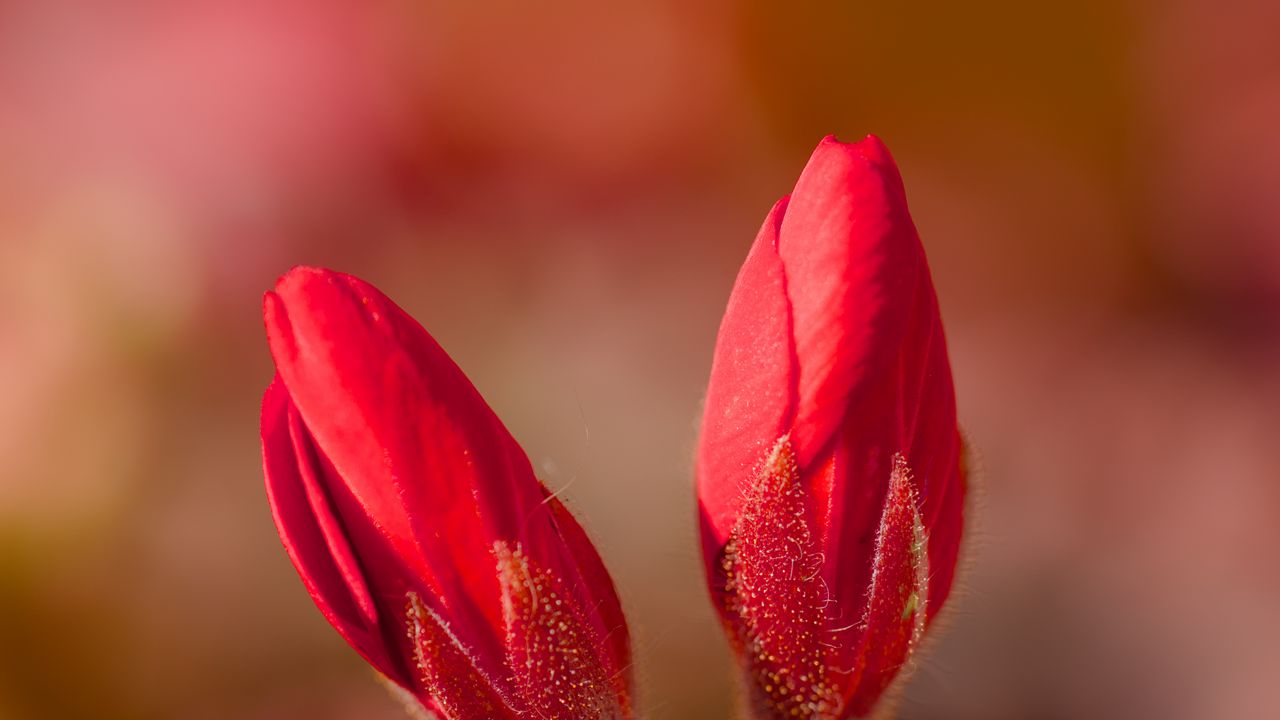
562,192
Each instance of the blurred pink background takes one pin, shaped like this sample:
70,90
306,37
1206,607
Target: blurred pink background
562,193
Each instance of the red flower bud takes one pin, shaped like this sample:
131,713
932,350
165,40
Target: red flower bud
417,524
829,473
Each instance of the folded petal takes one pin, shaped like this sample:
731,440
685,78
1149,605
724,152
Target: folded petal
852,259
421,466
750,397
417,523
828,573
334,579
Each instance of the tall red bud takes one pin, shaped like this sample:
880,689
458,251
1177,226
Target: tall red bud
830,476
417,524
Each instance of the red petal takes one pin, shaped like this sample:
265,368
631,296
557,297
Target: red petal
750,394
874,379
321,509
411,441
333,580
852,260
865,379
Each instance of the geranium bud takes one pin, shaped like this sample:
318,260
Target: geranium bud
830,476
417,524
